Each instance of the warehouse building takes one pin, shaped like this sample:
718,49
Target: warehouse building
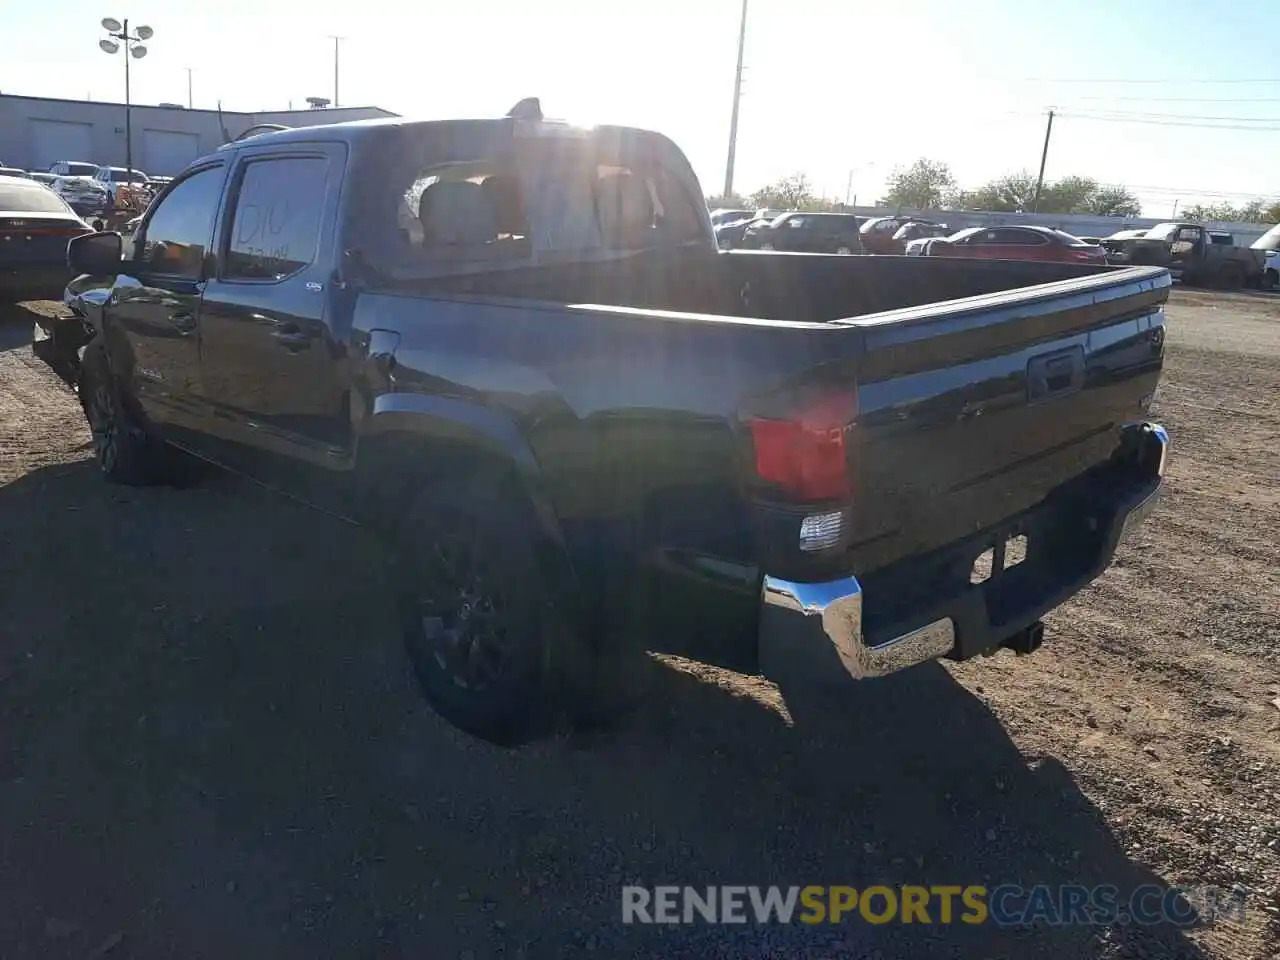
38,131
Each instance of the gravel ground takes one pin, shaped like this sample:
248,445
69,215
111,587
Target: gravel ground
210,745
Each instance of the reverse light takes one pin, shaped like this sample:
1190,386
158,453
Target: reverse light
807,453
820,531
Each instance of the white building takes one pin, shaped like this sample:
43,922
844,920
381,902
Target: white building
37,131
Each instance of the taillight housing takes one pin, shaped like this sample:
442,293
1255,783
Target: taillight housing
806,453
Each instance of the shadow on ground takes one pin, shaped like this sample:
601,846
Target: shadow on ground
15,326
210,747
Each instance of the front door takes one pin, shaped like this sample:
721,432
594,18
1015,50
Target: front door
270,365
155,303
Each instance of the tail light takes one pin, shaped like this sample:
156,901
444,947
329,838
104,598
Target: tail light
806,453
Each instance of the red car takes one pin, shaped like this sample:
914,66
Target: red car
1017,243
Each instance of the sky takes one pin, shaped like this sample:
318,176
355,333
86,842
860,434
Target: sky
844,91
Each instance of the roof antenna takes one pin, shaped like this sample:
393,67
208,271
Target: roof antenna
530,108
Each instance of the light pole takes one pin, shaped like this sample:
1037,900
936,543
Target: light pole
336,41
849,186
737,97
117,31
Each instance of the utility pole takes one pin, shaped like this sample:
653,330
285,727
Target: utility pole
1174,216
1044,156
336,41
189,102
737,96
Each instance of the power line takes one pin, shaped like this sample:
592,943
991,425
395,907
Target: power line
1169,123
1146,80
1146,99
1179,116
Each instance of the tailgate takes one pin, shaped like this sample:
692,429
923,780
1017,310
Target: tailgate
971,411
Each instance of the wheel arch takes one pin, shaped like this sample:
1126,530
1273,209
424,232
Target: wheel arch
410,438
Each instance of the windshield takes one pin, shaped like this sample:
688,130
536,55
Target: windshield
1162,231
120,175
30,197
962,234
1269,240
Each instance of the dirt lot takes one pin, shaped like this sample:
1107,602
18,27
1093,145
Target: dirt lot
210,745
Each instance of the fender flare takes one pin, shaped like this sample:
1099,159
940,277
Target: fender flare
470,426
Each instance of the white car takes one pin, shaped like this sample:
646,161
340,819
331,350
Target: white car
109,178
1271,271
919,247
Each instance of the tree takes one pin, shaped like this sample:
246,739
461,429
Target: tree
1113,202
925,185
793,192
731,202
1272,213
1068,195
1016,192
1011,193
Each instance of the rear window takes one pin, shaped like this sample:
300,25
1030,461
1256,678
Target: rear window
30,197
81,169
555,195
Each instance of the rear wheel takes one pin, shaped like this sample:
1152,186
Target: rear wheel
475,607
125,451
1270,280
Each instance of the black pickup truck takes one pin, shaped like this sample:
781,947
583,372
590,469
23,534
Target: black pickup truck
512,347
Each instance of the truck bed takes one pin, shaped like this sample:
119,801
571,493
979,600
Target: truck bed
960,424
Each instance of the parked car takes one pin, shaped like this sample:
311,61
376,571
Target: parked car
1190,253
1017,243
917,230
723,215
584,431
1269,244
878,233
86,197
35,226
73,168
806,233
733,234
113,178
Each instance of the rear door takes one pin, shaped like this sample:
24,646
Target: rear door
270,364
1012,243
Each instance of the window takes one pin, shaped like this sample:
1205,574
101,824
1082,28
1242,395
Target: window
177,234
1013,236
30,197
276,228
471,210
795,223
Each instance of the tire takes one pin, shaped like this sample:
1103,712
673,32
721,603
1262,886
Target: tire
126,452
1270,280
844,251
1230,276
476,607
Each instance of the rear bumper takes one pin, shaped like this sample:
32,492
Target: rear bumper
927,608
35,282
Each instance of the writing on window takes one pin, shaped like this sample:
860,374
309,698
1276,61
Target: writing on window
276,225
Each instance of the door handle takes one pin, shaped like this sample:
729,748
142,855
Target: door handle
290,336
183,321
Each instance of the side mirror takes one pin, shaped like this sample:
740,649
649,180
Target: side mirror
98,254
